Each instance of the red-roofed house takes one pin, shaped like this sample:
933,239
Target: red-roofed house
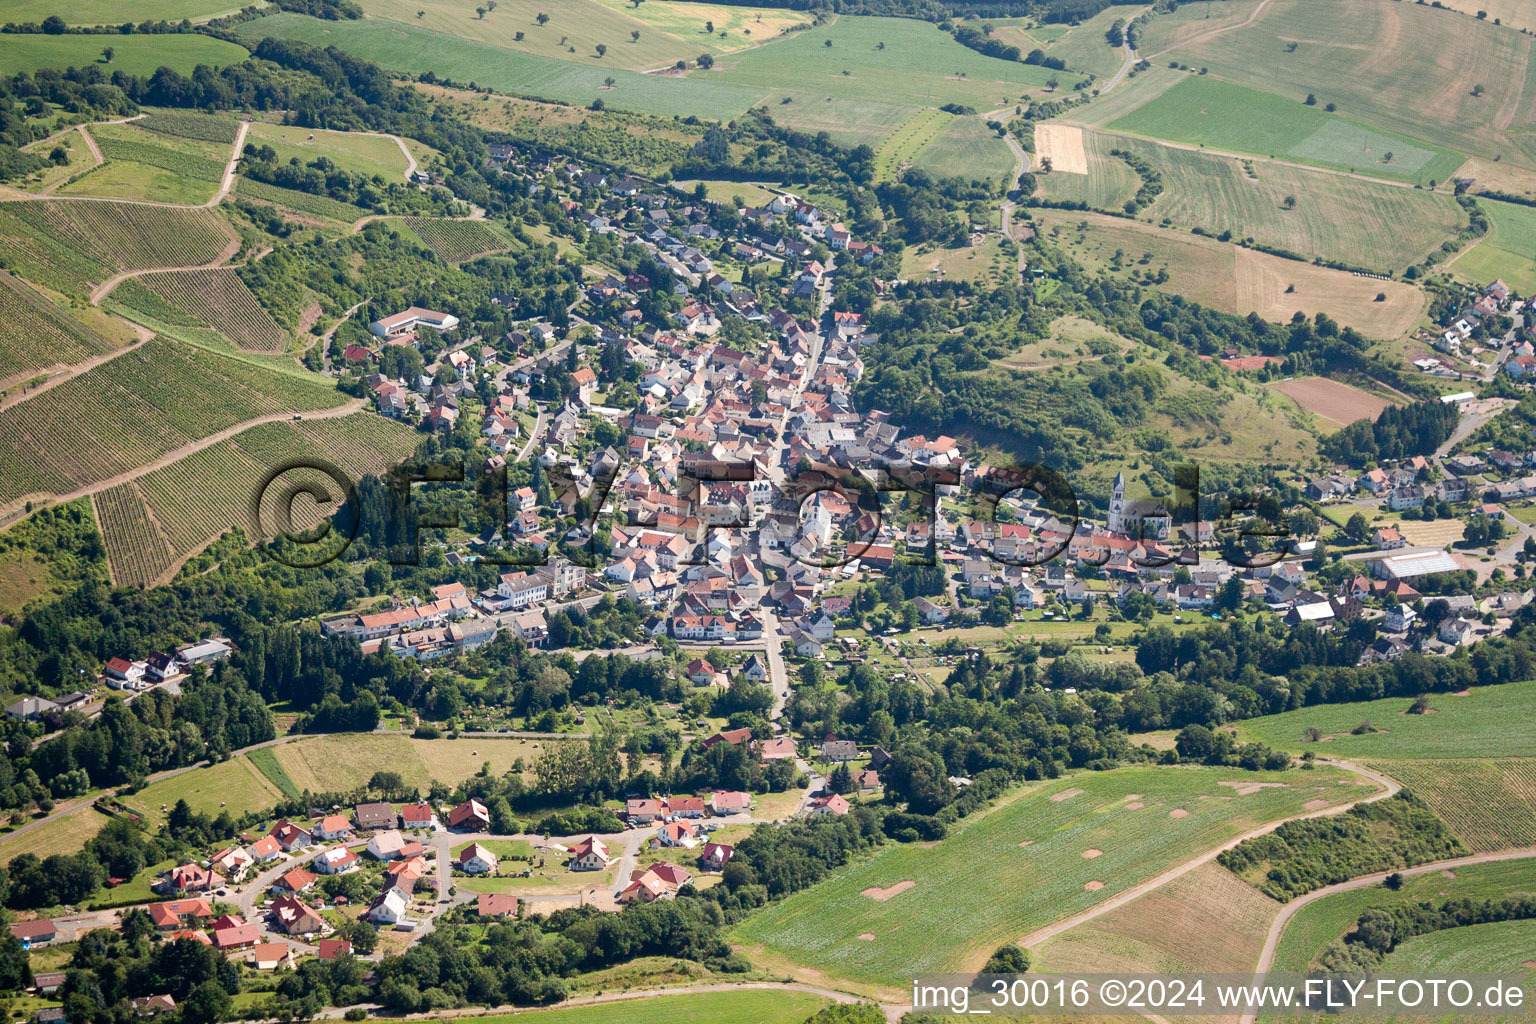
470,814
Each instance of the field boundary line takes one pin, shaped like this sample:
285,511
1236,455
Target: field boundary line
1391,788
1203,36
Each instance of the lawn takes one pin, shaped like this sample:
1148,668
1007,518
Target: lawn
134,55
234,786
727,1006
351,151
1492,721
1048,852
1205,111
968,149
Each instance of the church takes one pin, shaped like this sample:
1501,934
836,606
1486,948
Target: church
1144,520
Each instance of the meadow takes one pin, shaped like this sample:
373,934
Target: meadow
69,246
1488,722
190,124
1084,46
728,1005
133,55
1503,947
66,834
234,786
887,60
137,408
1208,112
401,47
329,763
40,334
154,523
1236,280
1109,180
1045,853
110,12
1489,803
910,139
1507,251
1192,19
368,155
1359,56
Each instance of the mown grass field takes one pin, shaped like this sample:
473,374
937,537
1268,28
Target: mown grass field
1206,111
157,166
919,65
727,1006
983,263
401,47
1108,183
139,406
1190,20
1031,853
329,763
1084,46
234,786
1489,722
1489,803
1205,920
909,140
66,834
1356,56
110,12
70,246
968,149
39,334
1234,279
368,155
850,122
1509,249
1502,947
133,55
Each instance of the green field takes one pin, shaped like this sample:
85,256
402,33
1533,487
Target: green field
727,1006
191,124
219,299
1084,47
967,148
368,155
1497,948
1489,722
980,887
1508,251
1323,920
110,12
137,407
70,246
1204,111
39,333
848,122
1108,183
265,761
459,240
1489,803
919,66
134,55
401,47
64,834
1405,69
299,202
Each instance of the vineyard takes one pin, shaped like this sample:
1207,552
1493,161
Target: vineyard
300,202
188,124
69,246
219,299
136,149
459,240
39,335
199,498
136,552
133,410
1504,812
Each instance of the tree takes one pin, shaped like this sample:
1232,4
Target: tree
1478,89
1290,202
706,61
634,36
54,25
601,48
828,44
709,27
841,779
1394,881
107,53
480,12
207,1003
1009,959
542,19
608,82
1356,528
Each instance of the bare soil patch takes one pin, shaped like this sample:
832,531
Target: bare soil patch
1066,794
868,937
1315,805
1062,145
1092,854
1135,805
1448,873
1027,842
1178,812
1094,886
875,892
1332,400
1247,788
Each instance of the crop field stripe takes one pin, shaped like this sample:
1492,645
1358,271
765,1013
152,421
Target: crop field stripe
459,240
188,124
265,761
908,141
1503,812
137,552
38,334
299,202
